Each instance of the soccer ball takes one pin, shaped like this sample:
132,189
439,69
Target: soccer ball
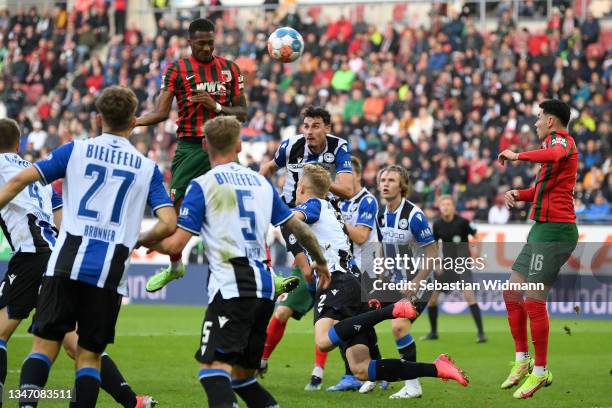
285,45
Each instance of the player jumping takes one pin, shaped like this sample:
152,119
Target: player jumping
339,309
205,86
232,207
550,242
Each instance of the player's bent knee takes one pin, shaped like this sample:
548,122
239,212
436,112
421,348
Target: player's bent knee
283,313
324,344
399,328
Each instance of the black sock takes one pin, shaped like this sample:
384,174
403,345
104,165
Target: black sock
406,346
350,327
34,375
3,366
114,383
347,367
395,370
477,317
432,312
253,393
86,388
218,388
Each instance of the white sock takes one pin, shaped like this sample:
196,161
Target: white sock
176,265
539,370
317,371
521,355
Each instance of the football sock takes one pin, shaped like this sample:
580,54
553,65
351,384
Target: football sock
521,356
432,312
218,388
320,357
276,329
317,372
475,309
86,388
517,319
395,370
539,370
3,364
34,374
176,261
406,346
347,367
253,393
348,328
114,383
539,324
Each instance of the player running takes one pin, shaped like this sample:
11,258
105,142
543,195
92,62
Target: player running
359,215
205,86
404,227
454,231
339,310
86,274
232,207
314,145
550,242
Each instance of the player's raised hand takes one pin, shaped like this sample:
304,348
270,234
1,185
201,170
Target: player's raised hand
204,99
507,155
323,275
511,198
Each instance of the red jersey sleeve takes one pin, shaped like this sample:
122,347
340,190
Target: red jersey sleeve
168,82
527,194
560,147
237,84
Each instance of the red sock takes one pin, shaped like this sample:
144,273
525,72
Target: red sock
275,332
517,319
539,324
176,257
320,357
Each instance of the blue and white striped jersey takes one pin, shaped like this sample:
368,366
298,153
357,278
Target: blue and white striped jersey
361,210
333,241
293,153
107,184
232,207
404,232
27,221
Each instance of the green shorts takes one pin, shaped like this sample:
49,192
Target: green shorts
548,247
189,161
300,299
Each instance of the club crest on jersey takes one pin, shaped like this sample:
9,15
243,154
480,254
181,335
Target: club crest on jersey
227,75
403,224
292,239
328,157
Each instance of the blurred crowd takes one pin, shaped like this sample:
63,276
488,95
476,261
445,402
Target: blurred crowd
442,98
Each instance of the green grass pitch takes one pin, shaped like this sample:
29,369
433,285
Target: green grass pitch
155,345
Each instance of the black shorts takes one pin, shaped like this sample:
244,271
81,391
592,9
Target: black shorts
64,303
19,289
234,331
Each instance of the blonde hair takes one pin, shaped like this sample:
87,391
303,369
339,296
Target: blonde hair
356,164
446,197
221,133
318,179
405,185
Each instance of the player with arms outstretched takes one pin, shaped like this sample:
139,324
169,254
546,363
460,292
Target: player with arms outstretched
205,86
314,145
232,207
86,275
550,242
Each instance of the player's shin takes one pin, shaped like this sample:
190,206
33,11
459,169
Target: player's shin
350,327
540,326
3,365
86,388
253,393
176,261
34,375
114,384
218,387
517,320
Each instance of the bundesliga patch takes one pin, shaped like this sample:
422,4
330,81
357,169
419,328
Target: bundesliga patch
559,140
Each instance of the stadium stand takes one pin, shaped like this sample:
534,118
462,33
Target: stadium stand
441,99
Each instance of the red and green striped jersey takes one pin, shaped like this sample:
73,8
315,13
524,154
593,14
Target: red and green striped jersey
221,78
553,193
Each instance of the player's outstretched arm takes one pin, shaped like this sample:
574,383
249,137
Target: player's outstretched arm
238,108
308,240
57,217
161,111
268,169
162,231
359,233
343,185
16,184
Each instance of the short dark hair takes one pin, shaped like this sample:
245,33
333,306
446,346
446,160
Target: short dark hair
558,109
117,105
317,112
9,133
201,24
